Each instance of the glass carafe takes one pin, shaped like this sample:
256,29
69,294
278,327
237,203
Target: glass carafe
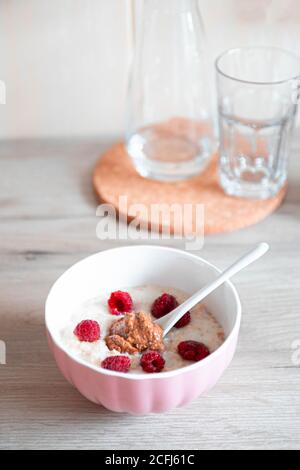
169,124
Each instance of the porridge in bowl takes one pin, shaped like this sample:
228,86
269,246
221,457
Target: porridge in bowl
117,331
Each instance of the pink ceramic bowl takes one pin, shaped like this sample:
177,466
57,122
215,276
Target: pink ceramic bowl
134,266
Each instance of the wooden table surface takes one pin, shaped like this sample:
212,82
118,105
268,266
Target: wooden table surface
48,222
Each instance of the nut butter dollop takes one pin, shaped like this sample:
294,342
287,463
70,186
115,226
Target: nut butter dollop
135,332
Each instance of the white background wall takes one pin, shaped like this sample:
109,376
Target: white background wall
65,65
65,62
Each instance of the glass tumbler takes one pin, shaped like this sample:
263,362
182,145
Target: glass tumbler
258,91
169,131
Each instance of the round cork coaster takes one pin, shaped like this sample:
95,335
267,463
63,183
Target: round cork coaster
117,183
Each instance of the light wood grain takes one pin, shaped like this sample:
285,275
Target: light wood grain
47,222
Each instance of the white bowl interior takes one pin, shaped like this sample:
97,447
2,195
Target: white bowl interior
135,266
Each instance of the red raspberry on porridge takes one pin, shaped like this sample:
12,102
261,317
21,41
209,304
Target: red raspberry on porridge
117,363
152,361
120,303
164,304
193,350
185,320
88,331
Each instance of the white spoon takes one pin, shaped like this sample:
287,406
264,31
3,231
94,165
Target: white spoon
168,321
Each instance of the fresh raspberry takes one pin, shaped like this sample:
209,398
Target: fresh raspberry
185,320
117,363
192,350
152,361
88,330
163,305
119,303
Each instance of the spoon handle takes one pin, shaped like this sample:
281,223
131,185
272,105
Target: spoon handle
168,321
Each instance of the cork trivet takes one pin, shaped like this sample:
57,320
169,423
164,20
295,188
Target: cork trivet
115,176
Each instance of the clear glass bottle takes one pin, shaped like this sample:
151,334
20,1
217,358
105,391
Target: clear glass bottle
169,124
